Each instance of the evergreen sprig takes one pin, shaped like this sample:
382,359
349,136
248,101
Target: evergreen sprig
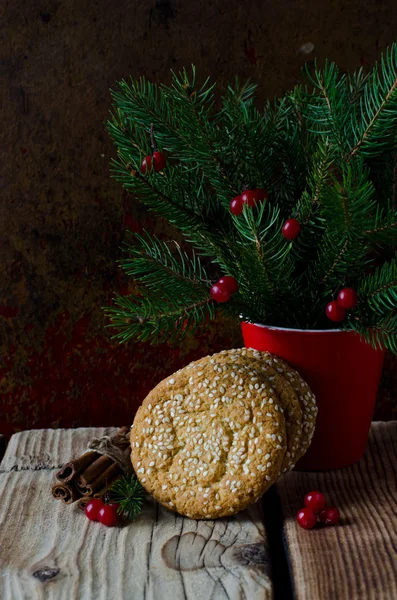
129,493
327,155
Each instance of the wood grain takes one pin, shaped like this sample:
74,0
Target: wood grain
2,446
48,448
51,551
358,559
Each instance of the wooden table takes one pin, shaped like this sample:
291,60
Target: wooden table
51,551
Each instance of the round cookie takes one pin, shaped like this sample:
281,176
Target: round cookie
306,399
288,399
204,443
247,358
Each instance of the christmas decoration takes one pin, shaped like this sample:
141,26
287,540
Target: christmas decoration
230,283
92,509
306,518
329,516
315,500
317,511
325,153
90,475
107,515
220,293
347,298
335,312
237,206
291,229
146,164
252,197
159,161
128,493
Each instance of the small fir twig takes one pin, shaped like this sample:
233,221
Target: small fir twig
129,494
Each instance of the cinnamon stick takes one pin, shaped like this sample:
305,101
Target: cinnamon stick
90,474
74,467
95,470
97,483
66,492
122,437
84,500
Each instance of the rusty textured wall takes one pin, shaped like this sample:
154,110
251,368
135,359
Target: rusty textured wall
62,217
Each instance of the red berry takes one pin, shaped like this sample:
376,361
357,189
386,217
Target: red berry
146,164
260,194
306,518
315,500
335,312
92,509
249,197
329,516
159,161
108,515
291,229
347,298
236,206
220,293
229,282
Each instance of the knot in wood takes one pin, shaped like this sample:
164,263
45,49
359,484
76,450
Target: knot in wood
252,554
46,573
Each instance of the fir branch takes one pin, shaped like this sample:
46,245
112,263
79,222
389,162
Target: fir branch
327,156
378,105
328,110
379,290
129,494
158,320
151,262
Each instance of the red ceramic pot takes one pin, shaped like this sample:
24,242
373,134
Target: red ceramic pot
343,372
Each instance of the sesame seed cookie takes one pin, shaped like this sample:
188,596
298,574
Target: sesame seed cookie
204,443
289,400
306,398
279,385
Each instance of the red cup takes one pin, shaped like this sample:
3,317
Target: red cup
344,373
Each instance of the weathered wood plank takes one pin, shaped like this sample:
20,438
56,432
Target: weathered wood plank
51,551
2,446
358,559
48,448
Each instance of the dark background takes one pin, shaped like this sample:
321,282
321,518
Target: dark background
62,217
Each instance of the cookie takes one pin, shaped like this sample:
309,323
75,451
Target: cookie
306,398
289,400
280,386
211,439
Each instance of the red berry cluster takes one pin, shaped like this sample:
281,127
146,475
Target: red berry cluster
316,511
224,288
157,161
106,514
336,310
249,197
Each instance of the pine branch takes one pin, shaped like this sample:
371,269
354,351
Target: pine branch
380,289
378,104
129,493
158,320
328,109
151,262
326,155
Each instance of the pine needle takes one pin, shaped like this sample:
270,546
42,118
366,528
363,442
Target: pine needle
129,493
